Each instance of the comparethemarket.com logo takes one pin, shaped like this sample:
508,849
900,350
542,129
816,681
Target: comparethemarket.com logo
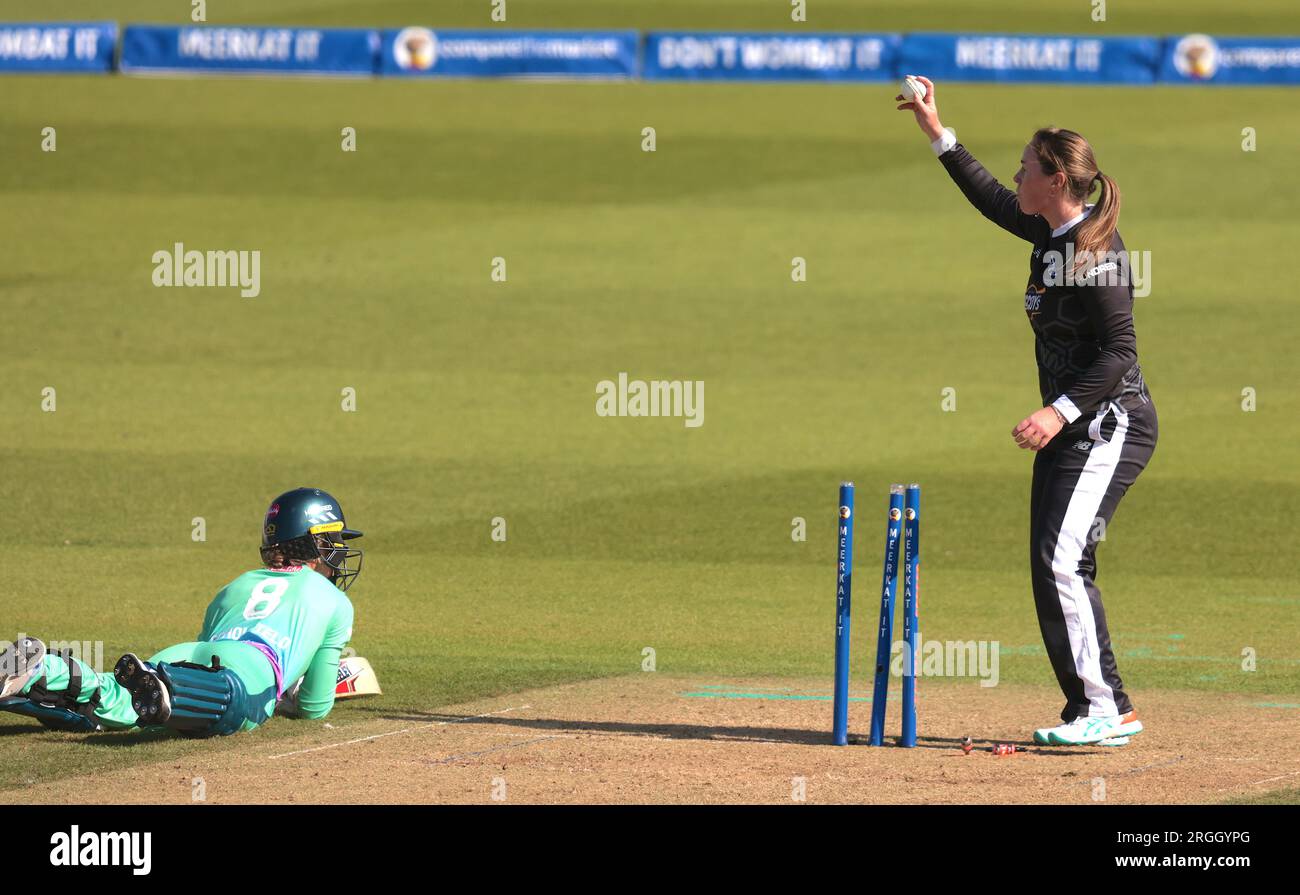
78,849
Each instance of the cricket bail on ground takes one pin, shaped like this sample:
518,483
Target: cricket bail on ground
902,526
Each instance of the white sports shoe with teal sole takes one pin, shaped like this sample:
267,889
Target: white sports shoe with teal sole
1041,737
1090,731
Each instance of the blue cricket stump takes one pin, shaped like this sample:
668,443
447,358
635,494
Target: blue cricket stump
884,636
843,606
911,608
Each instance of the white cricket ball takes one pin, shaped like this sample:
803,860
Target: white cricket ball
912,90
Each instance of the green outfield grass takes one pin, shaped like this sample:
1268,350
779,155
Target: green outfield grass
1275,797
476,399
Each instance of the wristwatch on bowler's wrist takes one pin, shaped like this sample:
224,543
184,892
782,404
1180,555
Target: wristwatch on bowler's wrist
1060,416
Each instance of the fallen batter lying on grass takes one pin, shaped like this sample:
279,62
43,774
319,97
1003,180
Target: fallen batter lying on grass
286,622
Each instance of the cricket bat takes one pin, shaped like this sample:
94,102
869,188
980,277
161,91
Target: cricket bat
356,678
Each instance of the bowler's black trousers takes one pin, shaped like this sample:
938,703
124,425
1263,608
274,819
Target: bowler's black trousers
1079,479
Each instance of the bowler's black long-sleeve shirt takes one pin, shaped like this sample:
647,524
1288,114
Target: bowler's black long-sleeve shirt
1083,331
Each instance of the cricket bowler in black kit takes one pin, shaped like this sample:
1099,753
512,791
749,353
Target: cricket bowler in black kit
1098,427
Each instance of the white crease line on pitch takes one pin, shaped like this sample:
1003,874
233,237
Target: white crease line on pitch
1259,782
1271,779
390,733
1137,770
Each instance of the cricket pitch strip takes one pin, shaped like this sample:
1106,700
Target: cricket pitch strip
654,738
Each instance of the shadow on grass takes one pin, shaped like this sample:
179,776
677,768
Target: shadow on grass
792,736
669,731
112,738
